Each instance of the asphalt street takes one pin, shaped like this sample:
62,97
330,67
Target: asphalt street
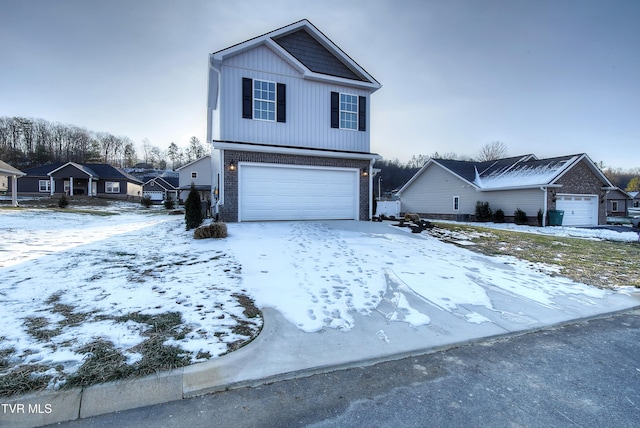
583,374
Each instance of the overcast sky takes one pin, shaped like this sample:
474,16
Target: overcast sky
550,77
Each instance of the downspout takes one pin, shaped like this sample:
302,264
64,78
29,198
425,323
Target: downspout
544,207
371,162
14,190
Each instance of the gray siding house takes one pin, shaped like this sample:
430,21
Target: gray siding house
449,189
289,123
77,179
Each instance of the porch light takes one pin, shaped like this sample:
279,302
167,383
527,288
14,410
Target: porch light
365,172
232,166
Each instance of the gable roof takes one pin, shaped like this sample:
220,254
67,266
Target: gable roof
6,169
167,183
307,49
194,162
518,172
95,170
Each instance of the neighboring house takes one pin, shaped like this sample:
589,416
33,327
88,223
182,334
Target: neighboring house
618,202
74,179
7,171
161,188
289,120
197,172
450,189
634,207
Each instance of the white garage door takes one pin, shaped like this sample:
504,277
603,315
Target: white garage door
154,195
579,210
279,192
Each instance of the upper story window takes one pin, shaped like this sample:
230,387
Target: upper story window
348,111
194,174
264,100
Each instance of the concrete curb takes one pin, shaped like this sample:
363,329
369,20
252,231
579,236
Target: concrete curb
233,370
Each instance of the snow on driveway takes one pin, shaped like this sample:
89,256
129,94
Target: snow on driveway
318,274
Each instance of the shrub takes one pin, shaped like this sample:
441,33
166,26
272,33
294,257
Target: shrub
192,209
520,217
169,203
498,216
483,211
63,202
146,201
412,217
540,217
212,230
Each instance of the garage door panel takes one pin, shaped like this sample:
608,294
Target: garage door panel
275,192
579,210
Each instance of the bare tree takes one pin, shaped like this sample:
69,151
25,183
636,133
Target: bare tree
492,151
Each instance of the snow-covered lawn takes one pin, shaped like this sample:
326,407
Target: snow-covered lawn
70,279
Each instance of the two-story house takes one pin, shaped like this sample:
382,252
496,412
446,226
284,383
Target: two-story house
289,121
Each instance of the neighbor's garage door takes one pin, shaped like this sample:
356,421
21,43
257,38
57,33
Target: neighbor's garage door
279,192
579,210
154,195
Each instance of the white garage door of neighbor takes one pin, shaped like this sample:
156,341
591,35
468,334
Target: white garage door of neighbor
579,210
278,192
155,195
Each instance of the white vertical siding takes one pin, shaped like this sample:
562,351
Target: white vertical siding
308,106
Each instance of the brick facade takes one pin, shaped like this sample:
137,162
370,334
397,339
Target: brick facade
581,180
229,211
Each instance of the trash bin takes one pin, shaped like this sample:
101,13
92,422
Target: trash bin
555,217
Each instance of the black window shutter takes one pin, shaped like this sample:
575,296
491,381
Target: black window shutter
335,110
247,98
362,113
281,107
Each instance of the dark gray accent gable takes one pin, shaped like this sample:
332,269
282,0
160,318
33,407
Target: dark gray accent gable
335,110
313,55
247,98
281,102
362,113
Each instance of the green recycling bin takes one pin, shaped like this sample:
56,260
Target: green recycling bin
555,217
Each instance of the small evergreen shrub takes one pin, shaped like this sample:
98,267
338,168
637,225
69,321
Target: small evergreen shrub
63,202
192,209
169,203
540,217
498,216
212,230
483,211
520,217
146,201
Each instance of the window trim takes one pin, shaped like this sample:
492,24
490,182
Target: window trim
354,101
273,102
614,206
110,185
47,186
456,203
194,174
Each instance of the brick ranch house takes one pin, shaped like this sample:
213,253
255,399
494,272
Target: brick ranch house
450,189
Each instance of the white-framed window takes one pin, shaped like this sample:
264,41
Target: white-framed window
67,186
614,206
348,111
264,100
194,174
456,203
44,186
112,187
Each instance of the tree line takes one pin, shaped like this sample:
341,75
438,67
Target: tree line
29,142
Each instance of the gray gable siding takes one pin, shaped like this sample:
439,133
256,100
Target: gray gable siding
306,49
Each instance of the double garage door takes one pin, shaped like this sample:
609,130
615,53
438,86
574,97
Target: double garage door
579,210
286,192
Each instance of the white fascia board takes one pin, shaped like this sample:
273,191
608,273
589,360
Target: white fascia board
531,186
223,145
192,162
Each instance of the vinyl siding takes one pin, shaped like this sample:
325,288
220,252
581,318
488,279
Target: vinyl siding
528,200
308,122
433,191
